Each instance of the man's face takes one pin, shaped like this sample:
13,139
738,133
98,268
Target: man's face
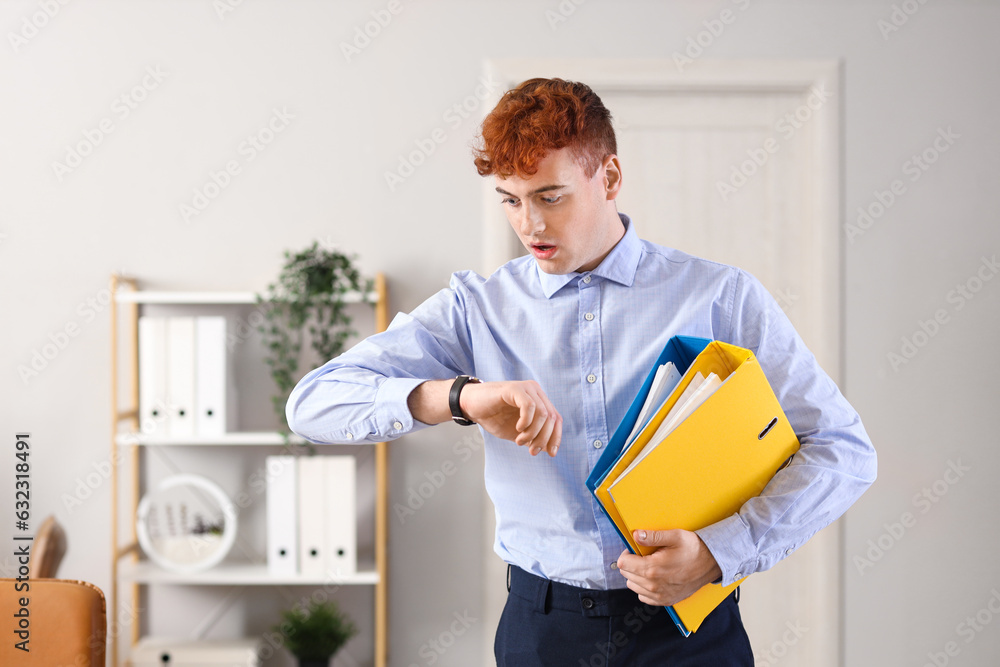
567,221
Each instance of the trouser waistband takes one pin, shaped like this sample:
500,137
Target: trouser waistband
547,594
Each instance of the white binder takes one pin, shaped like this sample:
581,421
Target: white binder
153,375
180,376
213,394
311,504
282,516
341,516
159,651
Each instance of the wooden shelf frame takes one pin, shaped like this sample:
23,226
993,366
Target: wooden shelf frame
126,296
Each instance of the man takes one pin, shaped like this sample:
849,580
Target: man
561,340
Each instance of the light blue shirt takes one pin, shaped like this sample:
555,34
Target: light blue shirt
589,339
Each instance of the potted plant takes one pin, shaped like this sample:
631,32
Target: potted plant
314,635
309,292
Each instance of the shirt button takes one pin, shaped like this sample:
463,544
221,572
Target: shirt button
586,279
397,425
350,436
587,603
738,575
614,565
588,316
597,444
788,552
591,378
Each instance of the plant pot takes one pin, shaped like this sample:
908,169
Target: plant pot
314,662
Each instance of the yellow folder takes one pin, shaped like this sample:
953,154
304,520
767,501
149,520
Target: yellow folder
720,456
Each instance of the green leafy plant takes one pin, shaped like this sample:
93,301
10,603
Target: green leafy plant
316,633
309,292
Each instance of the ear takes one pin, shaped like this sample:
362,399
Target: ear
612,176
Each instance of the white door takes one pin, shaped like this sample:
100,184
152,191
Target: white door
735,161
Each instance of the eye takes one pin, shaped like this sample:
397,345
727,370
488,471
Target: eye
552,200
510,201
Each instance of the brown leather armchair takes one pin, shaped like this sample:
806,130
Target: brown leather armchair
67,623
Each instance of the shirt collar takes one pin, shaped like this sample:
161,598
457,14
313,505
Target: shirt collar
620,264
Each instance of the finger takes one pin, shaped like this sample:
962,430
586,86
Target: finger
658,538
637,581
629,562
542,439
526,404
531,432
641,590
554,435
549,433
553,445
542,411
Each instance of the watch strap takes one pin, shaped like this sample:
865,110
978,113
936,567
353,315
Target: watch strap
454,394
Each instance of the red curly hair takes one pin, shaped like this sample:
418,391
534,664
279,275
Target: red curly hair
541,115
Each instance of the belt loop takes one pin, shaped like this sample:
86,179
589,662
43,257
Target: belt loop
508,577
542,594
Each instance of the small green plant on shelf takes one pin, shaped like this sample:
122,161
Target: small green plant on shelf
314,635
309,293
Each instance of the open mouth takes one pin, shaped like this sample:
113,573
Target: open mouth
542,250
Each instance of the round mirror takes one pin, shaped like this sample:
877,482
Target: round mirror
186,524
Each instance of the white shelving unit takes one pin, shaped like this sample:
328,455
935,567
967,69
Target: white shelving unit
126,567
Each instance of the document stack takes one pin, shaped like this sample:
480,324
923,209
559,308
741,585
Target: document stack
704,434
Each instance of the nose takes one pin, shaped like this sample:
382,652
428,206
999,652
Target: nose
529,219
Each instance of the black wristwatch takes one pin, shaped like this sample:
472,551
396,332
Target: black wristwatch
453,395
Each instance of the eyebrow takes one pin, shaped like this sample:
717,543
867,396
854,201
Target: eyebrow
544,188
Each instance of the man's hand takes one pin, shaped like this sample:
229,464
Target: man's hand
681,566
516,411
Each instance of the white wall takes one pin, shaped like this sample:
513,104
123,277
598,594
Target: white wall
323,177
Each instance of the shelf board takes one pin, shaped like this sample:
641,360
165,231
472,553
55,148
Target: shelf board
212,298
237,438
239,574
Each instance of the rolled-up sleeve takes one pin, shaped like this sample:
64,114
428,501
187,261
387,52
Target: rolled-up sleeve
836,461
361,395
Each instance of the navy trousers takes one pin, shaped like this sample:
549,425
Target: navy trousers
550,624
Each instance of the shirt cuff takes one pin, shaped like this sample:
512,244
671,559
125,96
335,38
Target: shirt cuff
392,413
730,543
